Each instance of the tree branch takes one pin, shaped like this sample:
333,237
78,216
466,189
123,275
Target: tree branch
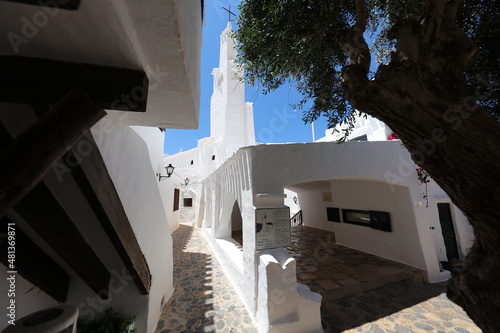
362,15
354,43
447,49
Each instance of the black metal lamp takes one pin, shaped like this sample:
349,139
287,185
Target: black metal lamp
295,200
170,170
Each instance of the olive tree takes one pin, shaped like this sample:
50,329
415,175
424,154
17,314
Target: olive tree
431,74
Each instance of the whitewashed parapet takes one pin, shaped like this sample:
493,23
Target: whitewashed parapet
283,304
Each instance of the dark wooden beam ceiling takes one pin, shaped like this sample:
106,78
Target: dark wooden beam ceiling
31,155
41,210
25,80
67,4
33,264
93,178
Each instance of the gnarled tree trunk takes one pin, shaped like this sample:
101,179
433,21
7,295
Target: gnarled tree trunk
455,140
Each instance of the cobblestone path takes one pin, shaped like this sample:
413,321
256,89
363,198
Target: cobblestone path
370,294
403,307
204,299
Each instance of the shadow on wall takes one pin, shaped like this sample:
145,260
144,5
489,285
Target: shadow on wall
193,297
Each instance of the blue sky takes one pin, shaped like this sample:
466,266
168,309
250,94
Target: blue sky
275,121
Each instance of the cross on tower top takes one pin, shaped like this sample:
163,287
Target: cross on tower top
229,12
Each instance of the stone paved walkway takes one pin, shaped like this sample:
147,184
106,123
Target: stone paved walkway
204,299
337,271
366,293
403,307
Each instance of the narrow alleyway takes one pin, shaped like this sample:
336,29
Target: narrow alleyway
204,299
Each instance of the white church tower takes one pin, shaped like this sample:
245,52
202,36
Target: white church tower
231,127
231,118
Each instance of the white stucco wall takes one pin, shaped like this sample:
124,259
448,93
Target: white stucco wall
230,184
129,165
401,244
374,129
155,141
386,162
294,207
154,138
314,208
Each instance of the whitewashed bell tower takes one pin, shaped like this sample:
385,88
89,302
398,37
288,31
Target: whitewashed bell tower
231,118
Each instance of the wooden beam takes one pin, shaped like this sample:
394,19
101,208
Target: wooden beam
33,264
98,188
31,155
24,80
67,4
43,213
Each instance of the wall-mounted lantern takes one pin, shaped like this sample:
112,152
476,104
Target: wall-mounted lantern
295,199
186,181
170,170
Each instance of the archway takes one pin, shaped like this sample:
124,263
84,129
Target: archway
237,224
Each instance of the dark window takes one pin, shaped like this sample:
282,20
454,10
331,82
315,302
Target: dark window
188,202
333,214
368,218
213,157
359,217
380,220
176,198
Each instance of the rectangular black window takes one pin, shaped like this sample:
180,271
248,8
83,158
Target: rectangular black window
333,214
359,217
188,202
380,220
368,218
